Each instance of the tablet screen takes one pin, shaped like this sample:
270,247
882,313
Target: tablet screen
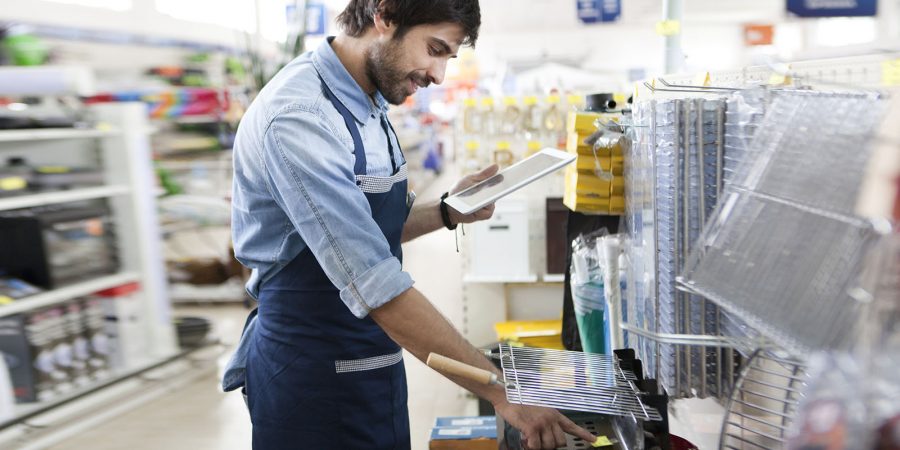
512,176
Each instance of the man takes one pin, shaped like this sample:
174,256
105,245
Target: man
320,209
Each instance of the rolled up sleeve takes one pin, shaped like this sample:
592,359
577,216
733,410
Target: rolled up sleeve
310,175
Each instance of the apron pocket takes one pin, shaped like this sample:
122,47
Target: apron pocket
370,406
292,392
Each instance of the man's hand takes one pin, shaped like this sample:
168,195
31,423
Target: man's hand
541,428
465,182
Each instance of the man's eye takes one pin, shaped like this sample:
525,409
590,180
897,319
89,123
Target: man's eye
433,51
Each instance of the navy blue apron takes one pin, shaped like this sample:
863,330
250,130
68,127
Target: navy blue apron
318,377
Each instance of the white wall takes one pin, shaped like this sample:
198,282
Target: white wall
142,19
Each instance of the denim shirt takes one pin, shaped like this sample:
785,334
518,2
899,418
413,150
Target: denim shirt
294,186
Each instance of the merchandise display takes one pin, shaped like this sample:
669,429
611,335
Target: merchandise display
52,246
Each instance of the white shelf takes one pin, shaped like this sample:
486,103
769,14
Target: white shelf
47,134
197,119
500,279
62,294
554,277
72,195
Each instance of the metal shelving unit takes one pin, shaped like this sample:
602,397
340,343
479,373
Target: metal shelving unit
121,149
63,294
67,196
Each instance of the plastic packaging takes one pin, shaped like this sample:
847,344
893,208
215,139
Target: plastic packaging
591,314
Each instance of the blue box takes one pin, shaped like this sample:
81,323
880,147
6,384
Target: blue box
466,421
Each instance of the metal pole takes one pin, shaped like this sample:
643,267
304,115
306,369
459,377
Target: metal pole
674,58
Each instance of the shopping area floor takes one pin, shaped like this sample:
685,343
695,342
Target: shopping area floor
200,416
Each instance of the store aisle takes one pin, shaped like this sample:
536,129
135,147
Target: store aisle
200,416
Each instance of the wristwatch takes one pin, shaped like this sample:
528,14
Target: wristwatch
445,213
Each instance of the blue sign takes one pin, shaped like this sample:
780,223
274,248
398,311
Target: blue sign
832,8
594,11
315,18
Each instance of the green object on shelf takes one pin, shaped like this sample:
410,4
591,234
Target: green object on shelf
26,50
167,181
591,317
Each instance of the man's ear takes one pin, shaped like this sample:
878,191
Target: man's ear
383,27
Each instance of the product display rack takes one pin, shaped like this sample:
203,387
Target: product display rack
120,148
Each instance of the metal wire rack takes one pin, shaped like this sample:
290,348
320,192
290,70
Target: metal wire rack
763,403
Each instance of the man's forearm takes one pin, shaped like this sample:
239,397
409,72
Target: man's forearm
413,322
423,219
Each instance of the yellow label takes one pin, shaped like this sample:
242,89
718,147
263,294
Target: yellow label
534,145
12,183
470,102
509,101
530,100
602,441
573,99
890,73
471,145
487,101
53,169
552,99
4,300
702,79
668,28
779,79
503,145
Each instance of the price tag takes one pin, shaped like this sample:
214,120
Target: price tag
668,27
890,73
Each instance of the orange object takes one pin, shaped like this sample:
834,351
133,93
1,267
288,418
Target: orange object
755,34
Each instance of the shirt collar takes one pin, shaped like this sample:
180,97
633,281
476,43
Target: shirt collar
342,84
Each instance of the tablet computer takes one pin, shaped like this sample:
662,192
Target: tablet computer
509,180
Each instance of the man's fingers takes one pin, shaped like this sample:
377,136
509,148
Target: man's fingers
559,435
569,427
485,173
548,440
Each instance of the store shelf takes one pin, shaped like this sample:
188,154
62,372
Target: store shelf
554,277
500,279
22,412
73,195
197,120
62,294
48,134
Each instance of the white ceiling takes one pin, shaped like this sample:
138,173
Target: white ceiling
515,16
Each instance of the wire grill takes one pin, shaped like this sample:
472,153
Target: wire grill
573,381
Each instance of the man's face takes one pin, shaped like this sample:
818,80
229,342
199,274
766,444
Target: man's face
398,67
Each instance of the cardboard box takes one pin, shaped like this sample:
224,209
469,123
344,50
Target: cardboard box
466,421
463,438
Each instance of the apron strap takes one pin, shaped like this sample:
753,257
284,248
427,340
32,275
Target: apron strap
359,168
386,126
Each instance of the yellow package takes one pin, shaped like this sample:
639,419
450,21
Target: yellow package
582,122
586,181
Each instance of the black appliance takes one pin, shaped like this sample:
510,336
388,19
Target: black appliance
53,246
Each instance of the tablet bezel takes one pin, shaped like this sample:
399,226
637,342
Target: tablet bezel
463,207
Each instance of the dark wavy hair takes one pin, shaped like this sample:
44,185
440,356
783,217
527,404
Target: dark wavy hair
359,15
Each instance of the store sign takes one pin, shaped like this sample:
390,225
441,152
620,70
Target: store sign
832,8
594,11
759,34
315,18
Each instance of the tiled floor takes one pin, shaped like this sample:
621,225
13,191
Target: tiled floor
200,416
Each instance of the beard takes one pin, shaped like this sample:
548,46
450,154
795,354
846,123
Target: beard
383,67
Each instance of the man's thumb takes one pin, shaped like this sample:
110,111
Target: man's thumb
486,173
